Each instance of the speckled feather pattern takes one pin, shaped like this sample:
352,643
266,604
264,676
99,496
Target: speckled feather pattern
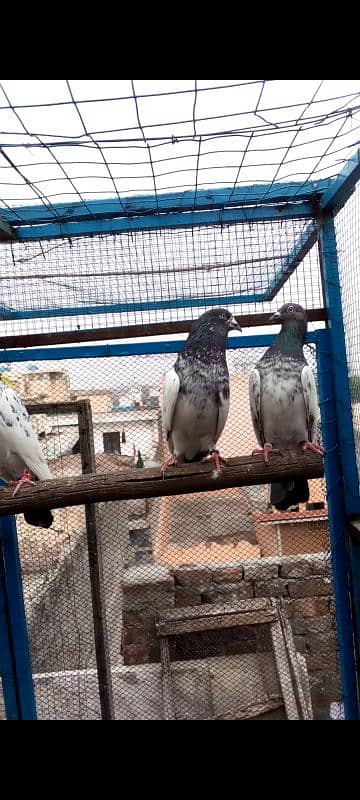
19,445
199,392
283,402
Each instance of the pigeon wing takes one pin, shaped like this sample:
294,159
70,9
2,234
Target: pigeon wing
311,401
223,411
170,396
17,434
255,405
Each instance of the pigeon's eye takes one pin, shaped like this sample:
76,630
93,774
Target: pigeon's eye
290,309
223,316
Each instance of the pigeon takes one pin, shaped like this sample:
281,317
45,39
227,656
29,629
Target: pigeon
283,401
196,394
20,452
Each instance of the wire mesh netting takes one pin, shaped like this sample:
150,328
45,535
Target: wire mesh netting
65,141
171,552
153,276
214,603
348,246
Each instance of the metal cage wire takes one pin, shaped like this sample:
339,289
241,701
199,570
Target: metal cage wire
195,551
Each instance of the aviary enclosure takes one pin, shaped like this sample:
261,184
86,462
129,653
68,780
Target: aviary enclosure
127,209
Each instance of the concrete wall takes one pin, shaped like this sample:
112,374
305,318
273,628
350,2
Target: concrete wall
46,387
141,432
57,585
292,538
60,619
101,403
198,689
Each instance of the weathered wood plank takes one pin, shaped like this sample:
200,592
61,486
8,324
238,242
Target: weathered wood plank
305,683
213,623
169,712
256,709
65,407
283,670
88,464
133,331
141,483
295,666
213,609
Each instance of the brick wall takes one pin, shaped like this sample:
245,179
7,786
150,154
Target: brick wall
304,583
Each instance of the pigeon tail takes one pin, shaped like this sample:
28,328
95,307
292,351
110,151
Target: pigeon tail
197,457
41,518
284,495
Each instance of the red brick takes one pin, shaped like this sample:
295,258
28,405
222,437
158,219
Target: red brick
307,607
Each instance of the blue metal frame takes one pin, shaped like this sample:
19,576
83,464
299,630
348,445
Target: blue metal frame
301,248
258,203
337,526
337,521
5,230
342,187
298,210
190,201
130,349
182,209
176,210
118,308
7,671
331,283
156,221
15,662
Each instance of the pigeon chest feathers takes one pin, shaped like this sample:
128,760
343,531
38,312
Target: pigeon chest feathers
204,393
203,382
282,402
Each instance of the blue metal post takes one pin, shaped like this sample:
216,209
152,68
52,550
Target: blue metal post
342,187
15,663
288,265
7,670
173,202
331,282
337,526
131,349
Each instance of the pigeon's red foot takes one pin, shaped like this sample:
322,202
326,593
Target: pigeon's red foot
215,456
25,478
314,448
170,461
264,451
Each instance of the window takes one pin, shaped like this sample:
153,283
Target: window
112,442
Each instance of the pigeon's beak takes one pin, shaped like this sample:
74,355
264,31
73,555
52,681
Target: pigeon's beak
275,317
234,324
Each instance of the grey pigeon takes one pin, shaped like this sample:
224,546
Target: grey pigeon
21,457
196,393
283,401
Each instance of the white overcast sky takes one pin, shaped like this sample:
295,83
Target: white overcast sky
67,141
280,130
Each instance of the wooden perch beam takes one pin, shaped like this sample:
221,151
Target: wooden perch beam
140,483
131,331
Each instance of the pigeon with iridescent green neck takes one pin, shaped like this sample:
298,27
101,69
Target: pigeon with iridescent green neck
283,401
196,392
